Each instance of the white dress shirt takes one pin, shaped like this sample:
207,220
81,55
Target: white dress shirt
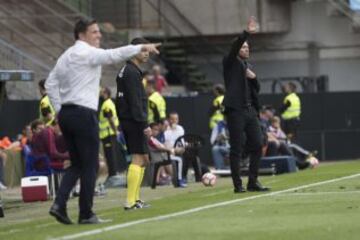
75,79
172,134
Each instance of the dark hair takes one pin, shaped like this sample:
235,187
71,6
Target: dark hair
292,86
81,26
137,41
34,124
42,83
220,89
153,124
150,83
107,91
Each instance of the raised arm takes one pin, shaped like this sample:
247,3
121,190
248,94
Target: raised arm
252,27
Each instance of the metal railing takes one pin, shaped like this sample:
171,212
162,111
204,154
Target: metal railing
13,58
344,7
190,43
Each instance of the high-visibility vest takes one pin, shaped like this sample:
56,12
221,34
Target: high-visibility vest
156,107
45,104
218,115
294,110
104,123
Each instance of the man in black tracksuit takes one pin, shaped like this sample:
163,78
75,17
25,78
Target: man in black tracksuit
241,111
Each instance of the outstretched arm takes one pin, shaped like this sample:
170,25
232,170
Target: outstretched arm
252,27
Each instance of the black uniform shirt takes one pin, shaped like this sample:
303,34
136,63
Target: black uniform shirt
131,99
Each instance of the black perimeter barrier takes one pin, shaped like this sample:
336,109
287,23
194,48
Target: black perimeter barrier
330,122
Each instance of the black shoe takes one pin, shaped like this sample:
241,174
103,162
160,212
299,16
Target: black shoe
1,211
60,214
93,220
239,190
143,204
257,187
133,207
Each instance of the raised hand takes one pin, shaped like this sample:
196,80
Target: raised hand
151,47
253,25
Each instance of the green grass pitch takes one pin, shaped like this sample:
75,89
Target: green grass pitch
325,211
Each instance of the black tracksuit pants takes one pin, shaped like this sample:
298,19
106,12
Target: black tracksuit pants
245,135
109,144
80,128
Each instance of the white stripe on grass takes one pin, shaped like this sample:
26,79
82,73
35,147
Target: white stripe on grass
318,193
198,209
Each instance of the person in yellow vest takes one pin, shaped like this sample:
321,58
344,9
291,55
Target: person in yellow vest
108,125
46,110
291,111
215,112
156,104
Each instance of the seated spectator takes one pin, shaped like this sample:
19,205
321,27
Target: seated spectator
304,158
174,130
156,146
220,144
49,141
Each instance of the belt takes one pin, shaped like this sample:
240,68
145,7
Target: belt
74,106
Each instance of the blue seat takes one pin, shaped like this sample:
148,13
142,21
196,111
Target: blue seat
32,164
282,164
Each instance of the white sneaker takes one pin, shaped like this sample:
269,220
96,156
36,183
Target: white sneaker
2,187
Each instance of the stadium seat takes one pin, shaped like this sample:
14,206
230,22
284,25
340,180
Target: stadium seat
192,144
159,159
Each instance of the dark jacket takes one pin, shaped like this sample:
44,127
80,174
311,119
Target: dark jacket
235,76
46,142
131,99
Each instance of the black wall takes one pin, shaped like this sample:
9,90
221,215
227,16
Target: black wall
330,121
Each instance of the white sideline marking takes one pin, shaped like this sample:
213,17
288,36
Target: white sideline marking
318,193
198,209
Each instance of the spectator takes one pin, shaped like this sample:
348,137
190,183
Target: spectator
156,146
174,130
156,104
304,158
160,81
108,131
290,111
216,110
46,140
46,110
220,144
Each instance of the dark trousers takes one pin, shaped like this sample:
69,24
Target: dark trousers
109,144
80,128
291,126
245,135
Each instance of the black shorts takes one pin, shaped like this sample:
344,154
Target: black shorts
136,140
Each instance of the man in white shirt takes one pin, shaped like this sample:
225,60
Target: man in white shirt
73,89
174,130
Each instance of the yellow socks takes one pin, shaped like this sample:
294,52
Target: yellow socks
134,178
139,185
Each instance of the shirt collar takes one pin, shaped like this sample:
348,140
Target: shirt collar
131,63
